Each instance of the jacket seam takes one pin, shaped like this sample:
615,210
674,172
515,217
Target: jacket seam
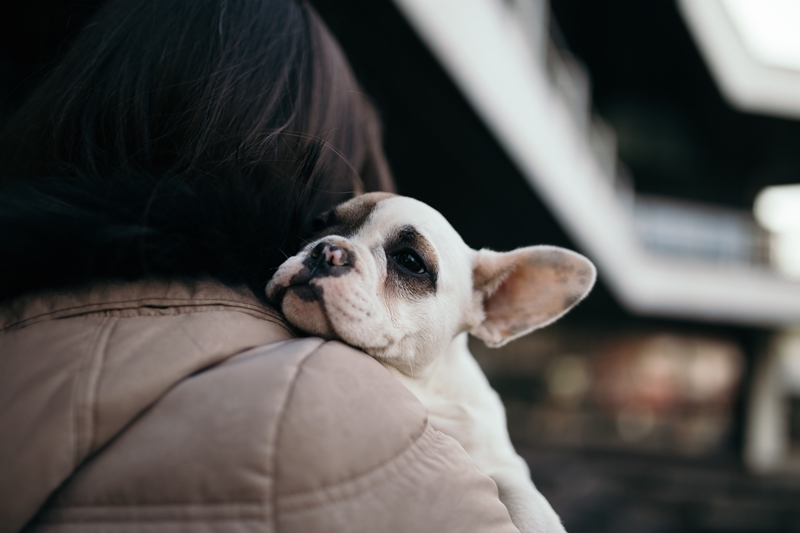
92,399
416,442
278,429
299,502
79,386
217,512
256,504
118,305
178,383
429,441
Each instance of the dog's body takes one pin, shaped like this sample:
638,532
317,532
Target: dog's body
389,275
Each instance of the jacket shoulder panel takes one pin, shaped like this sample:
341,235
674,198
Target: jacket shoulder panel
68,386
431,487
208,442
346,416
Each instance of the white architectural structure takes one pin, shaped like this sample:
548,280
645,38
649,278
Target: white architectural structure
535,100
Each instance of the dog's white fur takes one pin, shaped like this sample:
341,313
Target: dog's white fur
417,326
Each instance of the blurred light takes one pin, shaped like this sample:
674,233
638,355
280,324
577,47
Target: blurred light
785,253
634,424
711,371
777,208
568,378
621,389
769,29
771,428
752,48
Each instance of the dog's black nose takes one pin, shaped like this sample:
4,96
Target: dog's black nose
327,258
330,253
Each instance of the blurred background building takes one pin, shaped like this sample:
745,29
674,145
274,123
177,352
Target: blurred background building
659,138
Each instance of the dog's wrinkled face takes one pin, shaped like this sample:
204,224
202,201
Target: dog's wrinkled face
389,275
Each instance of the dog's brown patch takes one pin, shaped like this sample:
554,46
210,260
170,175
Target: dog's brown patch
346,219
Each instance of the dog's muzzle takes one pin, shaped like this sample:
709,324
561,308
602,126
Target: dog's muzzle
325,259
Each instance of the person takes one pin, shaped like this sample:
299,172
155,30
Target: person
149,188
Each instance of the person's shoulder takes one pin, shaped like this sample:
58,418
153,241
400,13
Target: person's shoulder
355,452
345,415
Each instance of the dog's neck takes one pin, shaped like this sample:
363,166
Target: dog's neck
437,374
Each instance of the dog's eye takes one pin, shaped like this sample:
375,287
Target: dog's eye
410,261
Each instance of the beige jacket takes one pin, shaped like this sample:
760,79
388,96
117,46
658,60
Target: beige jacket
165,408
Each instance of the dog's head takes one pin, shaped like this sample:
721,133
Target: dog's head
388,274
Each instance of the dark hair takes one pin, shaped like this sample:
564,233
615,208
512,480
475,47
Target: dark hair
182,139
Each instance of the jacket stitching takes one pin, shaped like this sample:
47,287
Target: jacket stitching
78,391
96,514
138,303
273,446
429,441
91,396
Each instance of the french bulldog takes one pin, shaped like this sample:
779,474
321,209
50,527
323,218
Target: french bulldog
389,275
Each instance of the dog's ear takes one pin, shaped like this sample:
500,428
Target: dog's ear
527,289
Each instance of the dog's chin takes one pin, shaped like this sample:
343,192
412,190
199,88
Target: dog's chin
304,306
304,310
